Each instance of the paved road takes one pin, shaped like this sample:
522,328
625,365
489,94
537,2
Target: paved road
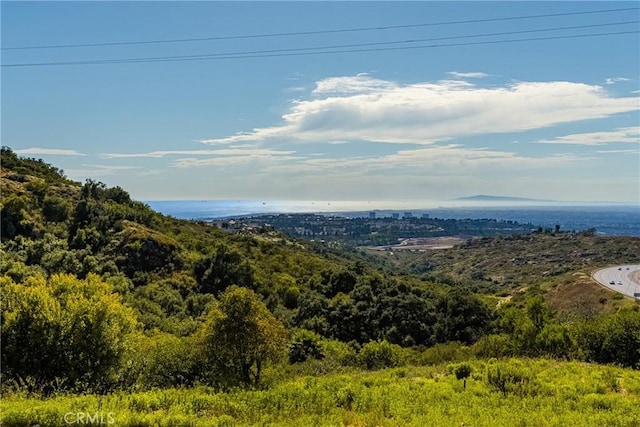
623,278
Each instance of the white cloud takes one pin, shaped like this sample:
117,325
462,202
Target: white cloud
234,156
472,75
223,152
452,160
49,152
92,171
618,151
360,83
158,154
364,108
613,80
258,135
629,134
296,89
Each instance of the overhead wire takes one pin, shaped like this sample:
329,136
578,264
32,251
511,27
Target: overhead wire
395,48
345,48
317,32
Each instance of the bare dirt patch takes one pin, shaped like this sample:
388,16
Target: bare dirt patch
423,244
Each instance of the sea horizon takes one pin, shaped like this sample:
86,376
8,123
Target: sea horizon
608,218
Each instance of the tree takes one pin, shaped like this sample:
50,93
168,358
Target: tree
63,331
462,371
15,218
462,317
305,345
611,339
55,209
240,335
224,268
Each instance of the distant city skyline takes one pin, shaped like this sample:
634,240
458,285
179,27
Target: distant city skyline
396,102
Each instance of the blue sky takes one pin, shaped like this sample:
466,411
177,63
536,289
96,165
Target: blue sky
548,119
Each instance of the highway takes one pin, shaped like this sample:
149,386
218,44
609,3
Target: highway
622,278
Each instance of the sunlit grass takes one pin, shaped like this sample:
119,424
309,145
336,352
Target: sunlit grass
557,394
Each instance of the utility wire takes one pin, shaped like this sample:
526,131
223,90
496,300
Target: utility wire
343,46
303,33
270,55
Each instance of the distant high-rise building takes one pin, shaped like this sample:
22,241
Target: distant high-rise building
425,216
408,215
395,215
372,215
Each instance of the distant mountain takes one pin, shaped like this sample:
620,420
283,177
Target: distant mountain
487,198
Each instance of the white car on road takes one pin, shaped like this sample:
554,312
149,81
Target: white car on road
624,279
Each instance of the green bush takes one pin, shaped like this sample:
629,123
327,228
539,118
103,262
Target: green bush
511,378
63,333
55,209
305,345
339,352
163,360
444,352
461,370
379,354
493,346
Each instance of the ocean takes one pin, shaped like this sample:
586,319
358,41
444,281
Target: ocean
607,219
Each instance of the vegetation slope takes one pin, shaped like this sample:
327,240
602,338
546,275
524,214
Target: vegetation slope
102,295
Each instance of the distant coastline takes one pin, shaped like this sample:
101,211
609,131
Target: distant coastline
607,219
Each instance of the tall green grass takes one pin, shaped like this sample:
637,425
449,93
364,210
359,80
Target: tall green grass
553,394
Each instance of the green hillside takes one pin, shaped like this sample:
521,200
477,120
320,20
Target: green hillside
103,296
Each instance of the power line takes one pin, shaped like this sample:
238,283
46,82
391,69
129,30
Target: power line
303,33
253,52
271,55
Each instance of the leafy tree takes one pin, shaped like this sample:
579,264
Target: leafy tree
555,340
240,335
611,339
38,188
143,250
55,209
305,345
223,268
538,311
63,331
461,317
14,217
338,281
311,313
406,318
462,371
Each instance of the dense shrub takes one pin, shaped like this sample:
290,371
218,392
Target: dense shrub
611,339
163,360
305,345
379,354
63,332
511,378
55,209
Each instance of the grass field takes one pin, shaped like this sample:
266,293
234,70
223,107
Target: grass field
533,392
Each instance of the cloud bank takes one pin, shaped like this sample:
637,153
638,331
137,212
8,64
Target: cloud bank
629,134
49,152
363,108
